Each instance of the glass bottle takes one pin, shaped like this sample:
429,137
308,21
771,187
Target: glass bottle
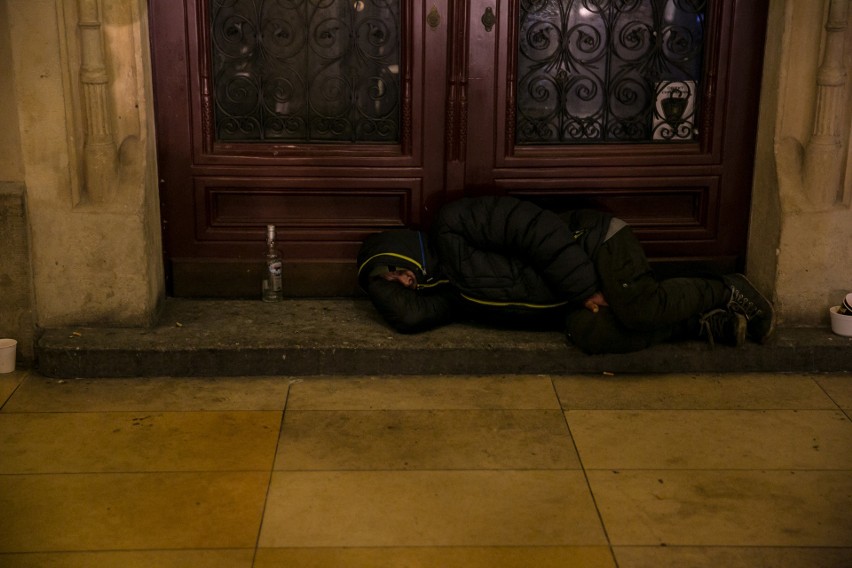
272,278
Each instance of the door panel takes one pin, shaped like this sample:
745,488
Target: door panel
303,204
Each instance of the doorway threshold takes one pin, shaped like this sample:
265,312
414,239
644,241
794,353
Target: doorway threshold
345,336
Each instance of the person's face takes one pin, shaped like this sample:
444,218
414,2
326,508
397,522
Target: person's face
404,277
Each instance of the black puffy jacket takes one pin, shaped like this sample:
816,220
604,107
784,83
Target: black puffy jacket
433,303
485,255
506,250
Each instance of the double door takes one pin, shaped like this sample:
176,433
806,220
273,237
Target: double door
332,119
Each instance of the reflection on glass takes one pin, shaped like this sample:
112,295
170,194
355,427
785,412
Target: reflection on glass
306,70
592,71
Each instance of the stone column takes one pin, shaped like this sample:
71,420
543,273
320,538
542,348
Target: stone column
823,165
99,154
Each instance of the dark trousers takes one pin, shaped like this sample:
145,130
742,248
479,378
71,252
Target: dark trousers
642,310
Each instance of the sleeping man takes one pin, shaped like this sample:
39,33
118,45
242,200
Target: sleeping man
510,262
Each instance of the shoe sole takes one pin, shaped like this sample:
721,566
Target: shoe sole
740,330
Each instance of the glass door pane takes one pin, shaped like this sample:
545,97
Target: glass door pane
597,71
306,70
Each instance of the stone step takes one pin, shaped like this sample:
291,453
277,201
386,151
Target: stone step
345,336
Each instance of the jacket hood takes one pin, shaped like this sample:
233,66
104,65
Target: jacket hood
393,250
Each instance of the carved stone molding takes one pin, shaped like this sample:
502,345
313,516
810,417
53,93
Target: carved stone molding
811,163
100,154
104,73
823,169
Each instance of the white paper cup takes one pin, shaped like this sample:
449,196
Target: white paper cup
841,324
7,355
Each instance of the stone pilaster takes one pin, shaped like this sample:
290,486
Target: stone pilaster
824,170
100,155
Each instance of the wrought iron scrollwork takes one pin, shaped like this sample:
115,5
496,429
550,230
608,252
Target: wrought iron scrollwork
306,70
592,71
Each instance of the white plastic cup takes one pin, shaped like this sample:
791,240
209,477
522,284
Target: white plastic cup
841,324
7,355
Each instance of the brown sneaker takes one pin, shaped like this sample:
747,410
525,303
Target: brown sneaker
746,300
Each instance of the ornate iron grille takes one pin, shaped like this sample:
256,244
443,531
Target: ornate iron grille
306,70
593,71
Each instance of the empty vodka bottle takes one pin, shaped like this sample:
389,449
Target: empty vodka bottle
272,278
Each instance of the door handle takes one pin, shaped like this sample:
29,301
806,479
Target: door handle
433,18
488,19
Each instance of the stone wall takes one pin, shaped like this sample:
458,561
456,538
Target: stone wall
17,320
84,110
16,312
11,164
801,230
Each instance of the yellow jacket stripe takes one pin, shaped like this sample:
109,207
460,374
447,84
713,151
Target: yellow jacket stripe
509,304
381,254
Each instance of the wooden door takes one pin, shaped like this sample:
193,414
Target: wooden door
241,145
463,128
570,99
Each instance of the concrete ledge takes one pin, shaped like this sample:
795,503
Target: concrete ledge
346,337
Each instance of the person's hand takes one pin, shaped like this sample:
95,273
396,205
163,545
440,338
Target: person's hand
594,302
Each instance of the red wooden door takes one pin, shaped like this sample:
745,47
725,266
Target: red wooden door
464,129
686,191
324,195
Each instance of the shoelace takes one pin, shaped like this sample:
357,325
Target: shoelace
711,326
745,306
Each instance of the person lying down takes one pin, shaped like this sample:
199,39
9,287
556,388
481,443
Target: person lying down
504,261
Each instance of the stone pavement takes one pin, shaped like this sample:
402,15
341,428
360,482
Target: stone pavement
732,470
345,336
